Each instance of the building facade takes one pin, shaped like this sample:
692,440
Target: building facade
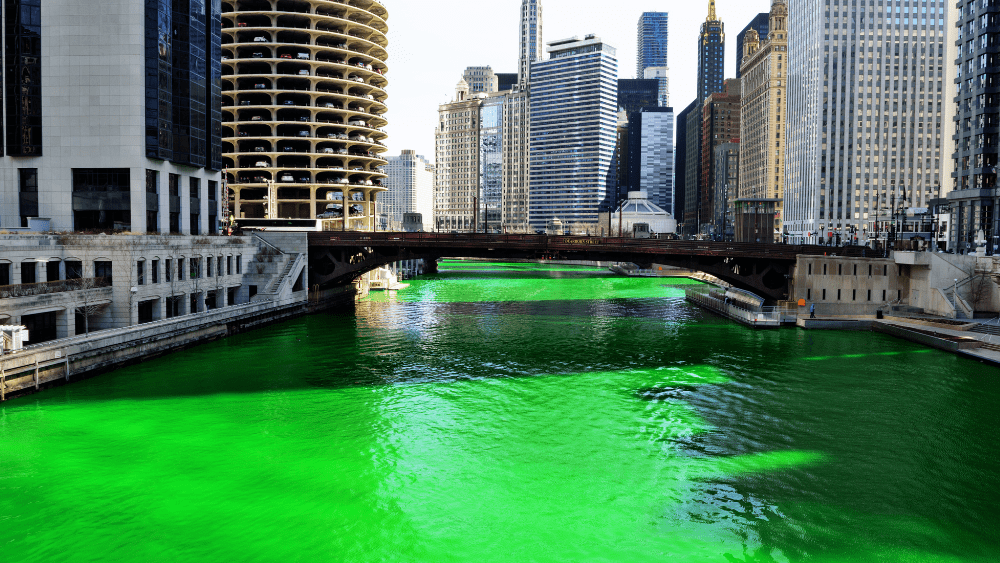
692,170
530,43
516,160
651,59
305,91
410,189
634,95
727,181
651,155
760,24
711,55
865,95
456,155
720,124
680,164
573,123
481,80
97,147
764,115
491,151
974,195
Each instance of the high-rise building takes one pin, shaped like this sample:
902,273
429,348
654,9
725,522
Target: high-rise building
711,55
516,160
94,146
481,80
762,124
531,38
720,124
759,24
305,93
661,75
727,179
692,171
456,154
573,120
506,81
491,151
633,95
651,45
410,189
865,99
680,163
651,154
973,193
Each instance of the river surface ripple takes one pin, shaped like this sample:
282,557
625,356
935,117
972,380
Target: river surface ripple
514,413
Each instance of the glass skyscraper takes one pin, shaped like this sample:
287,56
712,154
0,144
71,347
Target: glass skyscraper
652,42
573,130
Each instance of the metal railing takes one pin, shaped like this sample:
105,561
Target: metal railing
717,302
45,288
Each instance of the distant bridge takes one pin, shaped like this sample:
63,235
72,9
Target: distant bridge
336,257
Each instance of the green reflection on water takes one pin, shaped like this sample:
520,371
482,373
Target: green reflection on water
464,427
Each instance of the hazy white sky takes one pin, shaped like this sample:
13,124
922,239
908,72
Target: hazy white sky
432,41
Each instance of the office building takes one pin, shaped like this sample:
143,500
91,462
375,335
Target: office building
651,155
491,151
865,99
506,81
727,180
516,160
760,25
481,80
762,124
651,59
456,154
573,121
305,91
96,147
409,189
720,124
711,55
680,163
692,170
531,39
973,195
633,95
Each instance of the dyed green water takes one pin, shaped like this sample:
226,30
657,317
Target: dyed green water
519,415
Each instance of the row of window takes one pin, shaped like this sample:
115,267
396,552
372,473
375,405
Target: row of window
852,269
854,295
182,269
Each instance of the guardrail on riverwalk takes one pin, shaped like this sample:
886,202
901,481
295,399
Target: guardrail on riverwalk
766,317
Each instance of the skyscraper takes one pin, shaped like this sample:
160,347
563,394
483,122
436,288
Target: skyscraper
573,126
410,184
531,38
680,163
865,99
651,154
759,24
633,95
973,196
763,121
481,79
711,55
651,62
720,124
456,154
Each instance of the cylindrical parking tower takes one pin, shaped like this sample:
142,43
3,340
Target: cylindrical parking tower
304,93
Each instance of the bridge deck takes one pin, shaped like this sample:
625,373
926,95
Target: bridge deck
543,243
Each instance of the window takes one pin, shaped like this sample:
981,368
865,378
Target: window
154,272
174,189
838,295
869,295
194,266
152,201
180,269
824,269
5,273
52,271
229,265
218,269
102,269
28,272
883,295
239,264
28,194
167,272
208,267
24,78
854,295
824,295
140,272
101,199
809,295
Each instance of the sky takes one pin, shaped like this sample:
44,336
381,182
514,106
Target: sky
432,41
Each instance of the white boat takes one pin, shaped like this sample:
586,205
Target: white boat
383,279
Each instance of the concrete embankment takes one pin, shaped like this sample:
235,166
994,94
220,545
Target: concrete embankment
62,360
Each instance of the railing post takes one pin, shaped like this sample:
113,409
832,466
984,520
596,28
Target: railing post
36,372
67,367
3,382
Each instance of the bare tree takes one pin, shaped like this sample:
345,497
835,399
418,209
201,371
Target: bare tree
88,308
980,285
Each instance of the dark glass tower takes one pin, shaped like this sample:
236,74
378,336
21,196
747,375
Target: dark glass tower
761,24
711,53
633,95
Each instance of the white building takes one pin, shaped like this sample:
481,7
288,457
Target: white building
866,95
411,190
97,145
637,209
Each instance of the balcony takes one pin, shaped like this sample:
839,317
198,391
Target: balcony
46,288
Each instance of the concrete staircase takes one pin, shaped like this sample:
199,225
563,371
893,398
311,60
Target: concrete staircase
992,330
959,313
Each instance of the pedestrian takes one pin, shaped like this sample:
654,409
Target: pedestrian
812,311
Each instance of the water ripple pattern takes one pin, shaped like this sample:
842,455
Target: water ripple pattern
512,413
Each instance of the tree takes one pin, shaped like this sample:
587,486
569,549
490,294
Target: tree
88,308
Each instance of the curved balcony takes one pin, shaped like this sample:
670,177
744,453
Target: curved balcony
304,88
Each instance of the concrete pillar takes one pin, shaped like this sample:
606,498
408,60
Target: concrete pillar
186,304
161,306
62,269
65,323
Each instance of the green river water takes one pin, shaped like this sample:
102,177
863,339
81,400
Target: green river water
512,413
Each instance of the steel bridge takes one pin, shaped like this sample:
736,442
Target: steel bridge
336,258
